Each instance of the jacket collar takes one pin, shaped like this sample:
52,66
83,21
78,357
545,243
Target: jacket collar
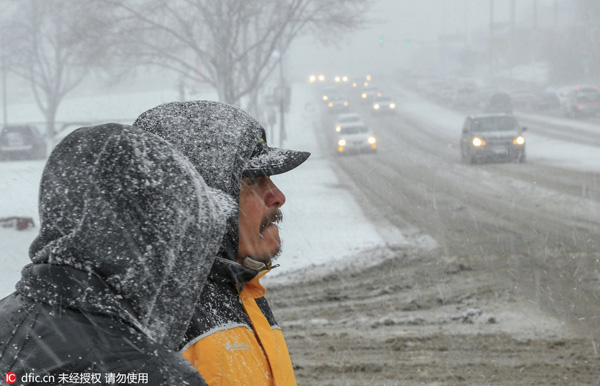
229,271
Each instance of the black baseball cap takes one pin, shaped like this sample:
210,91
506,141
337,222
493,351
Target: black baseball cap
268,161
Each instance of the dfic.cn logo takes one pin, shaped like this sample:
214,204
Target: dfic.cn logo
10,378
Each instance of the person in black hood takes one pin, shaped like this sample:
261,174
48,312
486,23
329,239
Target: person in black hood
129,231
233,321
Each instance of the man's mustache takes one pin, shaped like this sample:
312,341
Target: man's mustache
273,217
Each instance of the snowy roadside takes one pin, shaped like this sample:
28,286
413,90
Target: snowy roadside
322,221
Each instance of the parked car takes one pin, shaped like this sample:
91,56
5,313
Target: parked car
355,138
22,142
492,137
383,105
346,119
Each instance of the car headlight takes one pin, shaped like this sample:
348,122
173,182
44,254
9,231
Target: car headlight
338,128
325,97
342,142
372,140
345,78
345,103
337,79
321,78
376,106
520,140
312,78
477,142
330,104
392,105
364,95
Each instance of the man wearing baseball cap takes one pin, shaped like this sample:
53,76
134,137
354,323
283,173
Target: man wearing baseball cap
233,337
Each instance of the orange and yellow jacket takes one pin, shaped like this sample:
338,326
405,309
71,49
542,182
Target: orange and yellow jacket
233,337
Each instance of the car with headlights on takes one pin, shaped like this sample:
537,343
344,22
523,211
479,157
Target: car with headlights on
22,142
367,93
355,138
383,105
337,103
346,119
492,137
328,92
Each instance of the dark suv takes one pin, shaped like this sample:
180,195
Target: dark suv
22,142
492,137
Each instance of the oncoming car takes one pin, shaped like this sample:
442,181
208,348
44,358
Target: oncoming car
328,93
356,138
346,119
492,137
22,142
383,104
337,103
368,93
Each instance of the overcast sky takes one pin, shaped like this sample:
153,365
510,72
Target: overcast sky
420,22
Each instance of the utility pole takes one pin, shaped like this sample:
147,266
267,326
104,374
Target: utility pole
513,16
513,22
555,15
535,11
4,102
491,48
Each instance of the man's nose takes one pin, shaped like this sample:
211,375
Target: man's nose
274,198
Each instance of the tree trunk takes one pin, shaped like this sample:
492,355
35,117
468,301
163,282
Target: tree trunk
50,114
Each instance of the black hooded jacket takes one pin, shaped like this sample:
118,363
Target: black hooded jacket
221,142
129,231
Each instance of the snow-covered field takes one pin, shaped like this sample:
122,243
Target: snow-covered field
322,221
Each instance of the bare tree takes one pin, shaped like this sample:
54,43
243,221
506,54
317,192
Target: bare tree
54,44
233,45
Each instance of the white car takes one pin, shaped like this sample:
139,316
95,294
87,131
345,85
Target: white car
356,138
383,104
492,137
346,119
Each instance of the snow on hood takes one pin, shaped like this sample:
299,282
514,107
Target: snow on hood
124,205
219,140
